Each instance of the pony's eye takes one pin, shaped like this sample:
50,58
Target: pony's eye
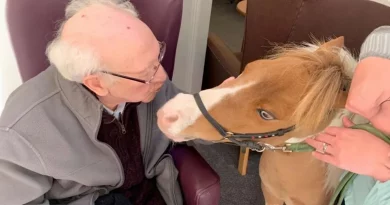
265,115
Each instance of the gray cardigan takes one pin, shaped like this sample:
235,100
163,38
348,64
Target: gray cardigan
49,147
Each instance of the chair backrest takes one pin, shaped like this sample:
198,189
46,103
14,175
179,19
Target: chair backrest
282,21
32,25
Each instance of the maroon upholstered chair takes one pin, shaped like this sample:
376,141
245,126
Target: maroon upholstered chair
32,25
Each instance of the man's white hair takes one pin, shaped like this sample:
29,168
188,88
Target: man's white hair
72,61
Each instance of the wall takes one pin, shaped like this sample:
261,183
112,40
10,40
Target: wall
190,52
9,74
384,2
192,44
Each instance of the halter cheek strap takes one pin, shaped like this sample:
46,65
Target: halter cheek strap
206,114
340,191
232,136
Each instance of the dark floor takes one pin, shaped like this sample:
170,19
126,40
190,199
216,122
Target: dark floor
229,25
235,188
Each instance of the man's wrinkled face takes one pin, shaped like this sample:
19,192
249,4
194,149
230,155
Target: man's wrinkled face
148,69
126,47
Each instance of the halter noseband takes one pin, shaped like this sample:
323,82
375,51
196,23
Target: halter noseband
232,136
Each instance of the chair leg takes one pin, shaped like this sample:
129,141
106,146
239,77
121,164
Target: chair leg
243,161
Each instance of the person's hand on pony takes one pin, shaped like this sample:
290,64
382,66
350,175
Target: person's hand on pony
354,150
357,150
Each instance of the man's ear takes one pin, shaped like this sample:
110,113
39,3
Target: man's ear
95,84
337,42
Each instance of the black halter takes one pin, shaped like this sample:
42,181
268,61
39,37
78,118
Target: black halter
232,136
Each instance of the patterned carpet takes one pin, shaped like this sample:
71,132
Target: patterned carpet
235,188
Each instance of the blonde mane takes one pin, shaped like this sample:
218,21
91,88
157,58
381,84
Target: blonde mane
330,70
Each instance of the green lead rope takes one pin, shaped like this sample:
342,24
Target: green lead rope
300,147
347,180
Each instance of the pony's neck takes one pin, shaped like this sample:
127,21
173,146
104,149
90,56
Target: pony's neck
333,173
336,121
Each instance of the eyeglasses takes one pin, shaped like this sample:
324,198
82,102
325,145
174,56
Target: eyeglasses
155,68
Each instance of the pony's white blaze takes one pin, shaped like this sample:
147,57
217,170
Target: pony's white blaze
185,107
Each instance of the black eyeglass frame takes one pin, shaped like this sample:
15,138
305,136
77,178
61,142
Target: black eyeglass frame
160,58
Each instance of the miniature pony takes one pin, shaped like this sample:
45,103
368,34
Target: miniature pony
292,94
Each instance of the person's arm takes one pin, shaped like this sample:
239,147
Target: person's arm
22,173
383,173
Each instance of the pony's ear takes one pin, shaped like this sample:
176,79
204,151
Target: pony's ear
337,42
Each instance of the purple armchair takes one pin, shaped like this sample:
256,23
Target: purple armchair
32,25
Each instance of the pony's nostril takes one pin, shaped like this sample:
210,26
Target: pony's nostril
171,118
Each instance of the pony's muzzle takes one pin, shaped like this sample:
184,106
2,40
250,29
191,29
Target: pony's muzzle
166,119
176,115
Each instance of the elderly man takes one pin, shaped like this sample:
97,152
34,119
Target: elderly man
84,131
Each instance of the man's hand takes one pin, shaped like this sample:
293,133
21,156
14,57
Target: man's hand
354,150
370,92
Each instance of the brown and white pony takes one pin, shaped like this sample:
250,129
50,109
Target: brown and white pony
304,87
